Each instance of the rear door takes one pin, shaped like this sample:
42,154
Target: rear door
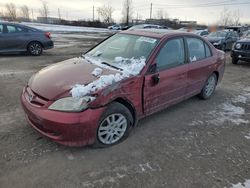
1,38
167,84
200,66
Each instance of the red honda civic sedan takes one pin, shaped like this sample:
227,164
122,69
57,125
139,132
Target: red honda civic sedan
98,98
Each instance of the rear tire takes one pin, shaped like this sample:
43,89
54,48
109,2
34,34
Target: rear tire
114,125
35,48
235,60
209,87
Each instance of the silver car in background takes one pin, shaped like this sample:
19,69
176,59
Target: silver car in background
19,38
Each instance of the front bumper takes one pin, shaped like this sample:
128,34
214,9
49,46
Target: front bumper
241,55
70,129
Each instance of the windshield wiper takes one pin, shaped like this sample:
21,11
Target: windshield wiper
105,63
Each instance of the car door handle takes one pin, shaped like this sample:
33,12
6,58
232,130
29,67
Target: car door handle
156,79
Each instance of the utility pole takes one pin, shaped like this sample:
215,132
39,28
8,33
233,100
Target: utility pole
32,15
93,13
151,10
128,12
59,14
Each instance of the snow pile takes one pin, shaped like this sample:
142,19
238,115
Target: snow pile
246,184
105,80
131,66
97,72
240,99
248,136
228,112
128,69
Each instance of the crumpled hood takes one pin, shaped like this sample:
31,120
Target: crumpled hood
58,79
214,39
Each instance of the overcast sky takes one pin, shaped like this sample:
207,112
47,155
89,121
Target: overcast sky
206,12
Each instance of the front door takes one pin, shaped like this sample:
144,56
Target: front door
168,84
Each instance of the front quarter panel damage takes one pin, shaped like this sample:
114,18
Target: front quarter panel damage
129,90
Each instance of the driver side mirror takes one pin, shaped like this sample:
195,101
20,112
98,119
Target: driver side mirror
153,68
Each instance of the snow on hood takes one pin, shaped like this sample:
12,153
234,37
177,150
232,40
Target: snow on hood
129,67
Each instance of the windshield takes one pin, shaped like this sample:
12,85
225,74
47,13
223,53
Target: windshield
123,46
218,34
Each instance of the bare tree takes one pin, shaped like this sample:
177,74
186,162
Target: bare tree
105,12
1,13
44,11
11,11
236,17
25,12
226,17
127,11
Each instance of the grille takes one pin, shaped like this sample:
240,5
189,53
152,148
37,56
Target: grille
245,47
34,98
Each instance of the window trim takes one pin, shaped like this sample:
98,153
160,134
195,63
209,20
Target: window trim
162,45
188,59
209,48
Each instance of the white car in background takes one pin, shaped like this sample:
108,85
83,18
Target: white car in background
115,27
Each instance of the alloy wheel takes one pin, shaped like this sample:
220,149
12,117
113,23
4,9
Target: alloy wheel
112,128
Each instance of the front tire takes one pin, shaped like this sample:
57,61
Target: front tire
35,49
209,87
114,125
235,60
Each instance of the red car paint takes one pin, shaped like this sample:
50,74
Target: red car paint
139,93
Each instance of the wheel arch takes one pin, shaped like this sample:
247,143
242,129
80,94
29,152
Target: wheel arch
217,75
128,105
34,41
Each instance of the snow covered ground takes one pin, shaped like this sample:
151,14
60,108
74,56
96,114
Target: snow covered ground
232,111
64,28
246,184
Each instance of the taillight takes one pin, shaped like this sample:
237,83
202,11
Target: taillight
48,35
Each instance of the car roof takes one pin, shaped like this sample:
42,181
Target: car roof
156,33
17,24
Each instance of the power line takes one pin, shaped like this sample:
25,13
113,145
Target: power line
197,6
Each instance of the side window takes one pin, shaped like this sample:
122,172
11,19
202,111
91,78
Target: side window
196,49
20,30
171,55
11,29
208,50
1,28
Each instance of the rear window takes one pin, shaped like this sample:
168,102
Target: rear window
196,49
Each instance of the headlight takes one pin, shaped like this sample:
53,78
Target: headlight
71,104
238,46
217,43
